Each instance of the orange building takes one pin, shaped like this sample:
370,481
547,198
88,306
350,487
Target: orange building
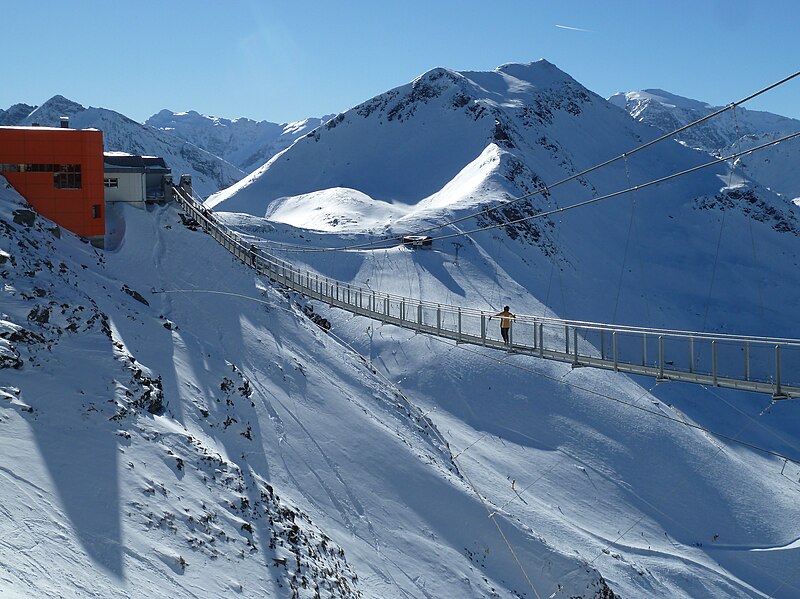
60,172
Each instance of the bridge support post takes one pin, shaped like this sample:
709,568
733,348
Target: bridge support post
419,317
614,349
644,349
541,340
459,325
691,355
779,394
714,361
602,344
402,310
534,334
566,339
438,320
747,360
483,328
661,377
575,361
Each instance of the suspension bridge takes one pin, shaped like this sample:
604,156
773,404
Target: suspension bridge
759,364
750,363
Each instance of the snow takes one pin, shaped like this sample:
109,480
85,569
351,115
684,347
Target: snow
731,132
200,443
658,95
659,509
243,142
337,209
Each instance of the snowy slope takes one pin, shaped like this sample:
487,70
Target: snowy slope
244,142
209,172
175,427
731,132
583,483
660,509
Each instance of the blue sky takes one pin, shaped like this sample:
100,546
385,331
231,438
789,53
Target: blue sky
283,61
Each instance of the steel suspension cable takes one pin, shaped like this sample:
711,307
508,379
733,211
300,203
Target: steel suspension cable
623,191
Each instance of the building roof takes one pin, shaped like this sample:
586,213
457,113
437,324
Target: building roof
40,128
119,162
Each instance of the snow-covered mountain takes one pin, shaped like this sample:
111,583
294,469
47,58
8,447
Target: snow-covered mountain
244,142
15,114
210,173
710,251
449,143
175,425
729,133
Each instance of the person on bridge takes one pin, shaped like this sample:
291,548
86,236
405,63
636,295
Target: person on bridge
505,322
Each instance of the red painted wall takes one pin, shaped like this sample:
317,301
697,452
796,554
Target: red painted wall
70,208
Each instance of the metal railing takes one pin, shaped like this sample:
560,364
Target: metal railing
760,364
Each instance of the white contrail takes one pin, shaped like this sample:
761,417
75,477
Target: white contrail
573,28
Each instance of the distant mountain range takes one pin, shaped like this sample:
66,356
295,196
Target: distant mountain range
169,419
209,172
729,133
216,152
243,142
453,143
219,152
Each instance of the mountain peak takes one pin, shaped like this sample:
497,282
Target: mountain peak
50,113
666,98
540,73
15,114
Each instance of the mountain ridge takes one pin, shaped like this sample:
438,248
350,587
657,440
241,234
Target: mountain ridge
239,449
244,142
731,132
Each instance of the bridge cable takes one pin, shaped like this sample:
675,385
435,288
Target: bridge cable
629,190
547,188
783,440
722,225
756,268
682,333
581,204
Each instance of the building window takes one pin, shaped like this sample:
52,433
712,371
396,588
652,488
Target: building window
68,177
96,210
111,182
